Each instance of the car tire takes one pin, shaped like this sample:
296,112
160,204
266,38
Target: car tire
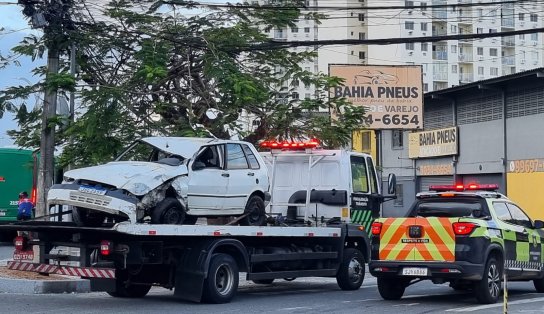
255,210
539,285
84,217
351,273
263,281
488,289
168,212
391,288
222,282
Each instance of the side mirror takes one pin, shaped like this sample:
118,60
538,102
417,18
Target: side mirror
392,184
198,165
538,224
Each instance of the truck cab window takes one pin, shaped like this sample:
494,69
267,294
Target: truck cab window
359,178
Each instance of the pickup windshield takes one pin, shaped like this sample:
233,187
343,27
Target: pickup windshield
446,208
142,151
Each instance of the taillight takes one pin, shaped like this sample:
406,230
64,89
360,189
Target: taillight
105,248
463,228
376,228
20,243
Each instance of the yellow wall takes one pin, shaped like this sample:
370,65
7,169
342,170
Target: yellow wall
527,190
357,142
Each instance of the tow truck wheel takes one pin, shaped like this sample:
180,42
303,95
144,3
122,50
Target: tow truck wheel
351,273
222,282
255,212
84,217
488,289
168,212
391,288
539,285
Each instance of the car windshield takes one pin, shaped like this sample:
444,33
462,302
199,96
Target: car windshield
142,151
447,208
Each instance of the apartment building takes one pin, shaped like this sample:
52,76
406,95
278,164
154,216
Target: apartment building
446,63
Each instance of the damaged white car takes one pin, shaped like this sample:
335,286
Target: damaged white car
169,180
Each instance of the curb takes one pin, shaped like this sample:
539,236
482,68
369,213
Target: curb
25,286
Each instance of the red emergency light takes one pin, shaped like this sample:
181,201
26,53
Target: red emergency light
289,145
461,187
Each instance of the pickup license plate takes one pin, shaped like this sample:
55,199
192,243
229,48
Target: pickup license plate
91,190
414,271
23,255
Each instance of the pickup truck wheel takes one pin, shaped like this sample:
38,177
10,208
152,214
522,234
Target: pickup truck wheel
84,217
488,289
351,273
222,282
391,288
255,210
168,212
539,285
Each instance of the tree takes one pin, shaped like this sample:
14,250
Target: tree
159,72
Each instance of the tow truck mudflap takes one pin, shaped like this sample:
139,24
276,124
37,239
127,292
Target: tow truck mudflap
84,272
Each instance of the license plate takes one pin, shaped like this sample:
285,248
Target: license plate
414,271
23,255
2,213
92,190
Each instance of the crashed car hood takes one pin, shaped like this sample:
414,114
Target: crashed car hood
136,177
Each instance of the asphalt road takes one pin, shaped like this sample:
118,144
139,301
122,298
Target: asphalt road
313,295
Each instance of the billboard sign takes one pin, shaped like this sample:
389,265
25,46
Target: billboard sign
391,95
442,142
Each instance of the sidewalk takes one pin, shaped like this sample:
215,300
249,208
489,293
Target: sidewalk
13,281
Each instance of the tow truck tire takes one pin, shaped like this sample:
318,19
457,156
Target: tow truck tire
351,273
391,288
539,285
257,214
168,212
222,282
263,281
84,217
488,289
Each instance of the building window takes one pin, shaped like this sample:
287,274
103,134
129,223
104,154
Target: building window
409,25
362,54
479,30
454,29
409,46
306,29
365,141
294,29
492,30
534,17
425,87
361,17
295,83
295,95
494,71
424,46
424,27
362,36
521,36
480,12
423,6
454,68
480,51
534,36
454,49
397,139
521,16
307,96
399,201
493,52
408,3
480,70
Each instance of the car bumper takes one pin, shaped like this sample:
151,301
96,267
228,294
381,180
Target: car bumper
114,203
445,270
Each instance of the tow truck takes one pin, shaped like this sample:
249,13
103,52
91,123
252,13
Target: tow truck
308,234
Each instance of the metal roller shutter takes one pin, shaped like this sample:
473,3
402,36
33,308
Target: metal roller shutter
425,182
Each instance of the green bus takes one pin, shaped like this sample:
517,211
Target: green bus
18,172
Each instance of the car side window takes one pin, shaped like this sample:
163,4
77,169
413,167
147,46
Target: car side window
236,159
519,217
502,212
209,157
253,163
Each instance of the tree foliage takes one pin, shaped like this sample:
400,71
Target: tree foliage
149,68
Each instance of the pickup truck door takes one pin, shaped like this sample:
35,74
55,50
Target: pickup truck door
528,241
207,180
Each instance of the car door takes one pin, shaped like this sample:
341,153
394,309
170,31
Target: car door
528,246
208,180
509,233
241,177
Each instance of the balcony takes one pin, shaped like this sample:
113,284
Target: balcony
440,76
509,61
508,22
465,57
440,55
508,41
466,77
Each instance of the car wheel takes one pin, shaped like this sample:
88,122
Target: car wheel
351,273
84,217
539,285
222,282
391,288
488,289
255,210
168,212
